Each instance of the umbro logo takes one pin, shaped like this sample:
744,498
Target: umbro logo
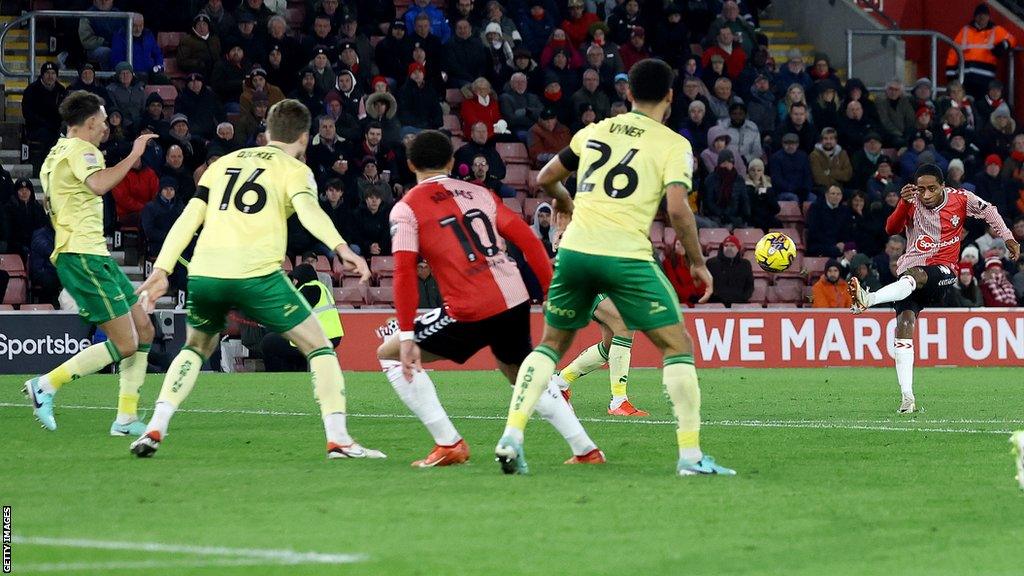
289,308
656,308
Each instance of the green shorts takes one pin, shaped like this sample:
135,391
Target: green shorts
99,287
638,288
271,300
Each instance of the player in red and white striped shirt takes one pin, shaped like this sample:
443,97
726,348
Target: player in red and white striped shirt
460,228
932,217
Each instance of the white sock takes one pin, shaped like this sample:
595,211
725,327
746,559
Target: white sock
45,385
125,418
515,433
553,408
336,428
898,290
617,401
905,365
420,396
557,379
691,454
161,419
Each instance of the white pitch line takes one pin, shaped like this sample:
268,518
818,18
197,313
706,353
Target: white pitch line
104,567
251,554
883,425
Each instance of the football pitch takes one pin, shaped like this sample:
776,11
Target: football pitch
831,481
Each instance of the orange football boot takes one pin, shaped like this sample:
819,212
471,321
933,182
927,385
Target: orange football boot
457,453
595,456
627,409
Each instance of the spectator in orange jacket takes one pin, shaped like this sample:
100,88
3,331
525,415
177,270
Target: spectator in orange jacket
830,290
984,45
677,269
138,188
547,137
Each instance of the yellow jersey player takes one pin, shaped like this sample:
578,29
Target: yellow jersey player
625,165
243,202
74,179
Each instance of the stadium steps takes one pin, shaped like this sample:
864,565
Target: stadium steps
782,40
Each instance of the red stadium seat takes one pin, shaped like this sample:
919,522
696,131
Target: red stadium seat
790,291
513,152
380,295
748,236
452,124
13,264
513,204
795,269
750,257
350,282
530,207
6,307
168,93
322,263
815,264
350,297
382,265
517,176
789,212
36,307
386,282
760,290
532,185
168,42
171,67
748,306
339,272
710,238
17,291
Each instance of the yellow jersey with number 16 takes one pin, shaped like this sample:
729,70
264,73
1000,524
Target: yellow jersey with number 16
625,163
248,196
76,213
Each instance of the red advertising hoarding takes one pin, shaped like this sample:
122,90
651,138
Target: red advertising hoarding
772,338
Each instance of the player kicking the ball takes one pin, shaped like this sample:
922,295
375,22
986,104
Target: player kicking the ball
932,216
614,349
626,164
74,180
243,202
456,227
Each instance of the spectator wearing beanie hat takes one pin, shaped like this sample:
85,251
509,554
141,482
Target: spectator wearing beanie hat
997,136
465,56
24,216
87,81
133,192
229,75
725,199
883,180
536,26
256,83
830,289
200,105
578,21
199,50
996,288
967,291
791,171
547,137
990,185
419,107
127,95
734,278
159,215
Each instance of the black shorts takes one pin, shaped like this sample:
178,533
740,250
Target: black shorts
507,334
935,293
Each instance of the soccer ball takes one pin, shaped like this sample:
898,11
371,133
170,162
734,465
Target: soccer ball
775,252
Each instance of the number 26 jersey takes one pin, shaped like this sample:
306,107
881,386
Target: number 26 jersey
248,197
457,227
624,164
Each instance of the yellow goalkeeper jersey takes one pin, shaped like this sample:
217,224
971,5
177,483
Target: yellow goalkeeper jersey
76,213
248,197
625,163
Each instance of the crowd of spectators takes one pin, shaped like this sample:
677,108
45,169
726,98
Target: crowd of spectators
532,72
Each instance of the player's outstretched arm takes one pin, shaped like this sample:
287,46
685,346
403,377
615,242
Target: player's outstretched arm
685,225
103,181
551,178
516,231
316,221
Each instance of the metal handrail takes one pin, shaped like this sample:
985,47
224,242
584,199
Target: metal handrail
31,17
875,6
933,35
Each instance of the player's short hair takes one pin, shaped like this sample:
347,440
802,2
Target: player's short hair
930,170
430,150
650,80
288,120
79,106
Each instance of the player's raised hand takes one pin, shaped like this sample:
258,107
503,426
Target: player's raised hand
908,192
354,262
1014,247
152,289
139,146
409,355
702,274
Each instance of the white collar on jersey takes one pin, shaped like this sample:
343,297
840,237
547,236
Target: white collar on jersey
434,178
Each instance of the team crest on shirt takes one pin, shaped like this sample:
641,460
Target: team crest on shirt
955,220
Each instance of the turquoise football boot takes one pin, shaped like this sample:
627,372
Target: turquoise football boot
705,465
134,429
42,404
510,455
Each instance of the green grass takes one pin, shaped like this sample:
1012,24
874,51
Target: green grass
831,481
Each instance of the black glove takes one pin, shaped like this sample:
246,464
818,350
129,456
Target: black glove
1001,49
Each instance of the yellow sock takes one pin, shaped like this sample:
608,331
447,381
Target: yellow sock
328,381
618,364
680,379
589,360
531,382
88,361
181,376
133,374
